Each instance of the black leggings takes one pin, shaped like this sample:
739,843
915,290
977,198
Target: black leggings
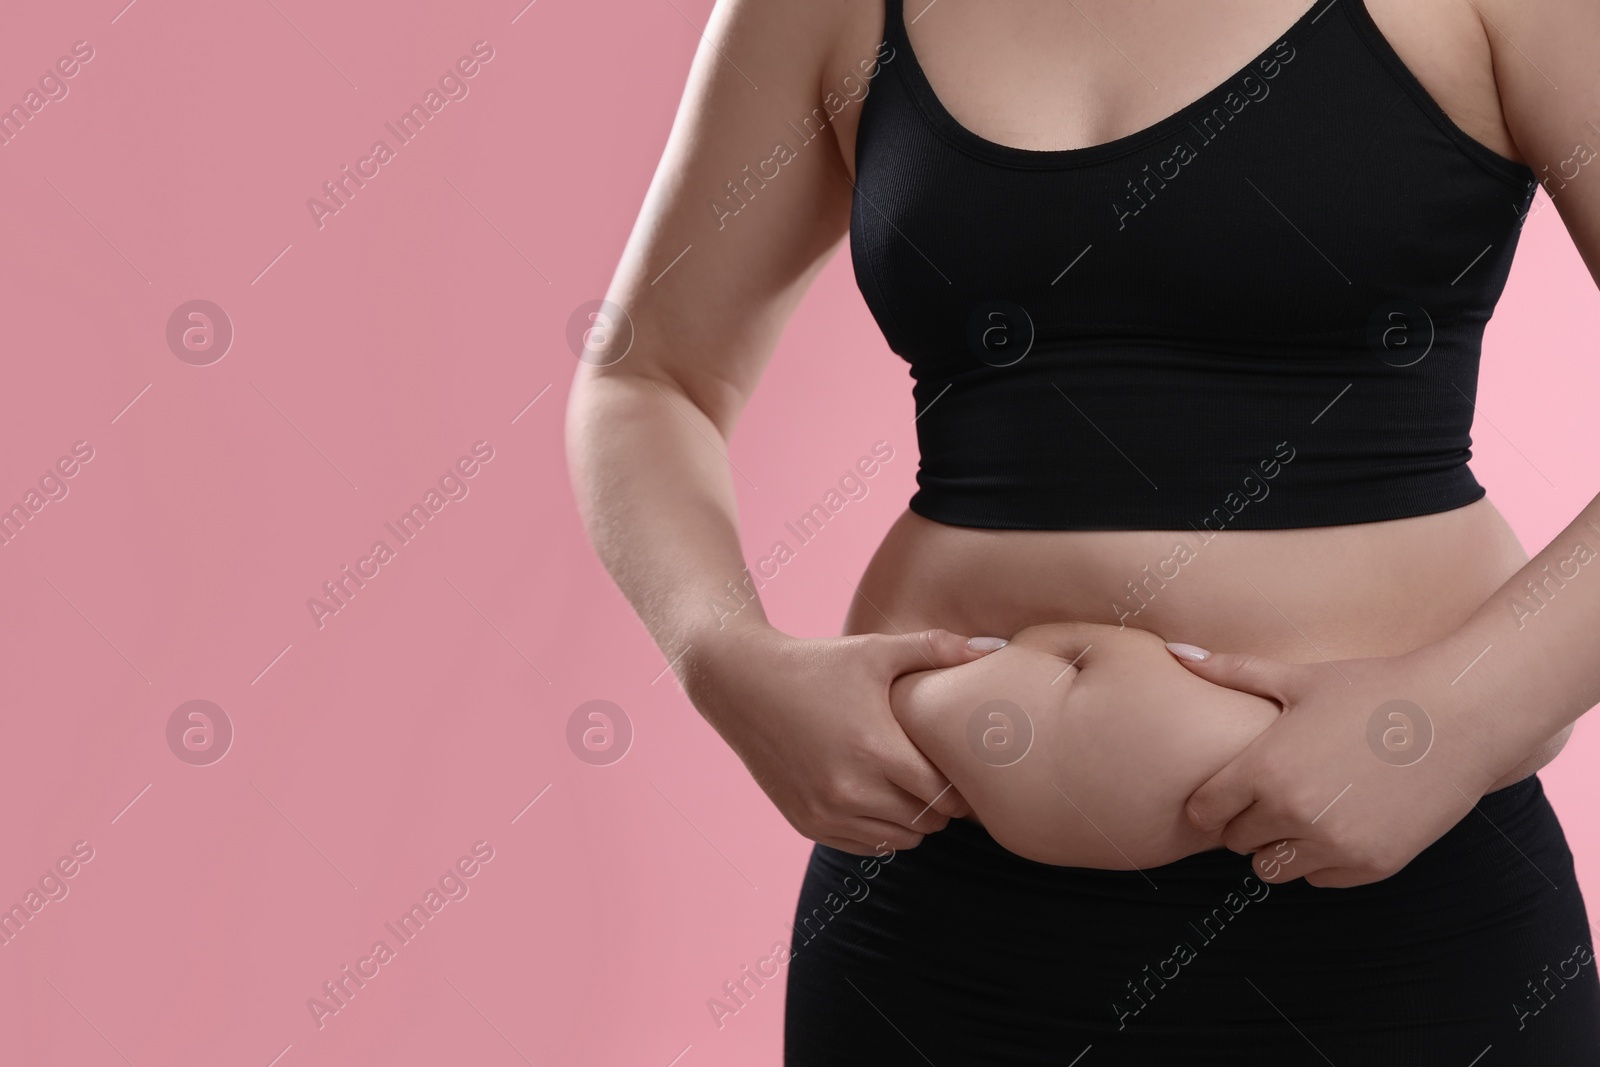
1476,954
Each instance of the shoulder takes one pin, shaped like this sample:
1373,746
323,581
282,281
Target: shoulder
811,33
1543,54
1549,87
820,42
1547,46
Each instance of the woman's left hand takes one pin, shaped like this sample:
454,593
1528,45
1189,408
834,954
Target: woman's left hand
1371,761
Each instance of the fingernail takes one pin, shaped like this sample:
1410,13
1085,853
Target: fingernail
986,644
1193,653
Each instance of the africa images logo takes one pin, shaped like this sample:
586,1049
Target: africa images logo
1251,89
452,86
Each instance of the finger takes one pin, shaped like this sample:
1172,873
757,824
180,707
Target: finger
922,780
1322,865
908,810
868,837
1339,877
1220,799
883,835
1285,860
1256,828
1239,670
845,844
879,849
933,649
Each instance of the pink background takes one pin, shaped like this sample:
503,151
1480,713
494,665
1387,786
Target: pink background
425,716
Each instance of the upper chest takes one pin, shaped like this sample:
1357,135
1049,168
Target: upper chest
1062,74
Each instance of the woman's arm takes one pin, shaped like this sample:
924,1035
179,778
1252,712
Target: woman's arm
1523,667
1540,677
1540,634
706,297
706,293
1541,630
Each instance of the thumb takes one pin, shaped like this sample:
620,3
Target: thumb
1238,670
932,649
1222,797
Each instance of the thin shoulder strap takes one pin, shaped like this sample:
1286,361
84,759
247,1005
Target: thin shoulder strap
894,27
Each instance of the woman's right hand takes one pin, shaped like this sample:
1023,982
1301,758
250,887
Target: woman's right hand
810,718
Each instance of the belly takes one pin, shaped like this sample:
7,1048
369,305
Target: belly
1300,595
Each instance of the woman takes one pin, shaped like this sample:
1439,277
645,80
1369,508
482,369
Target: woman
1195,334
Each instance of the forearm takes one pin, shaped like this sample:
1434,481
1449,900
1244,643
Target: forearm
656,497
1524,665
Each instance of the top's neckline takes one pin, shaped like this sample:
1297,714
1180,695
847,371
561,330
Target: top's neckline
947,124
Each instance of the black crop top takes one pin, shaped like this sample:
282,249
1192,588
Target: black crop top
1263,311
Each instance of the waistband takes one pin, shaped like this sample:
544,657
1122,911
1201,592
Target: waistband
1501,814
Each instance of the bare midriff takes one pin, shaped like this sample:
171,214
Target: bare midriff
1298,595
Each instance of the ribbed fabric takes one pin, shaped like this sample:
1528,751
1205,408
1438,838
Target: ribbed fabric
1263,311
962,954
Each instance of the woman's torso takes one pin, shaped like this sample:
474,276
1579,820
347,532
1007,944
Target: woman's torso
1363,589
